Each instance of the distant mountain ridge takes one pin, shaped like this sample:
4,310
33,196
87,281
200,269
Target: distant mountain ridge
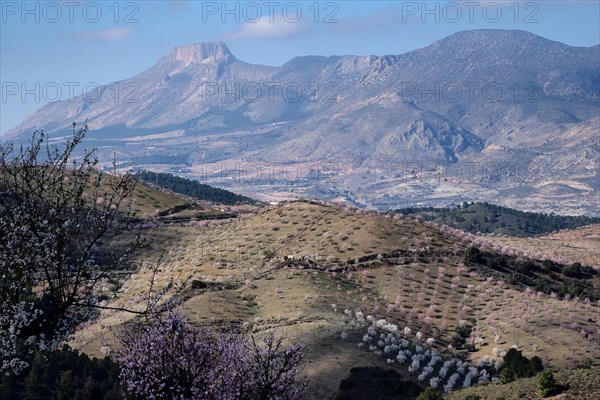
496,99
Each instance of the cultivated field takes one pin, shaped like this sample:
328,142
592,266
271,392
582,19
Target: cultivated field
578,245
305,269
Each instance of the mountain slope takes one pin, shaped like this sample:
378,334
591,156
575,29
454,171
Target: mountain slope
511,114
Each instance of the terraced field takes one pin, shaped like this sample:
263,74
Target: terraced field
304,268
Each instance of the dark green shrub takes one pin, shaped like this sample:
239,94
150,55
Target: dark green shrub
507,376
102,298
457,342
517,366
587,270
473,254
572,271
536,364
268,254
547,384
464,331
198,284
498,262
586,363
459,339
116,286
469,347
550,265
430,394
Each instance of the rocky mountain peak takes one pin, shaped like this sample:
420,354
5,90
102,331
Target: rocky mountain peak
200,53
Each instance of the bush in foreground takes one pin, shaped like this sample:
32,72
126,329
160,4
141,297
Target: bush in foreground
170,359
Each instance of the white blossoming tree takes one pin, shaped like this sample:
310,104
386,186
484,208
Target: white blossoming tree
56,212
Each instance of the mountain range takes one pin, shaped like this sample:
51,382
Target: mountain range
490,115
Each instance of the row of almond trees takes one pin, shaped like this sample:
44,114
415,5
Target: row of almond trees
414,350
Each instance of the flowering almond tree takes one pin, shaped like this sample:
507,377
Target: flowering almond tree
167,358
54,215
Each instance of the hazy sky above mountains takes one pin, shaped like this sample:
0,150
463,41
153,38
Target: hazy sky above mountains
47,47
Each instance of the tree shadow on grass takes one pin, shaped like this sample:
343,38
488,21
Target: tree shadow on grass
374,383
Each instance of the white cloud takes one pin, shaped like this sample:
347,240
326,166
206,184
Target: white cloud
110,35
265,28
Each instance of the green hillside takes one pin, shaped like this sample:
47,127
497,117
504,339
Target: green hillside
490,218
193,189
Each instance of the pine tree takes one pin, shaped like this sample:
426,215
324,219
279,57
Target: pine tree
547,384
65,389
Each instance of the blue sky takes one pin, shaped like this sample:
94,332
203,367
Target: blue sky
70,44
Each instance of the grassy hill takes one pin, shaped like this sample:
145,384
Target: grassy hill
580,245
489,218
297,267
147,201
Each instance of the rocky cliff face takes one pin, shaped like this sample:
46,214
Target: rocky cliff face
511,103
203,53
